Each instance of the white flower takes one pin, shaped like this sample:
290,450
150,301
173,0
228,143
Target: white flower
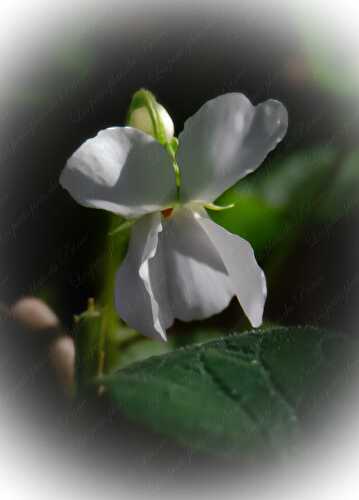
180,264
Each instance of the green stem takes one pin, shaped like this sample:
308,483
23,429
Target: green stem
116,247
171,148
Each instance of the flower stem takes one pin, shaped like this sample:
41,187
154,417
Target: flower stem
116,246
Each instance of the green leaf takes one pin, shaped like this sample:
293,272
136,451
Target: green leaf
281,193
315,186
139,349
294,179
252,217
243,394
318,185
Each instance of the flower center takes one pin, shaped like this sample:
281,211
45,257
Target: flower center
167,212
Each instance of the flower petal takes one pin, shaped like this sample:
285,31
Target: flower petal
198,285
122,170
247,277
185,267
139,284
224,141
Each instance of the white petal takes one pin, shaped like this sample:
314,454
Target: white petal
138,285
198,285
122,170
185,267
247,277
224,141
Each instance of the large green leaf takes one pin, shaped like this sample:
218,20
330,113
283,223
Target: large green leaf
241,394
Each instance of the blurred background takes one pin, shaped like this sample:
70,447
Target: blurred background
299,210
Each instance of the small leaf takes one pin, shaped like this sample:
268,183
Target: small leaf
243,394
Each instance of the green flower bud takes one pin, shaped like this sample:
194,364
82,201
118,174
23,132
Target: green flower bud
146,114
140,118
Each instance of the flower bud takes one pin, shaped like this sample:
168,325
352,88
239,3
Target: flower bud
140,118
34,314
62,357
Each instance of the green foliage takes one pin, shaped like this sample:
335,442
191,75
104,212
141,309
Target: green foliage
318,185
291,181
242,394
139,349
343,195
252,217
